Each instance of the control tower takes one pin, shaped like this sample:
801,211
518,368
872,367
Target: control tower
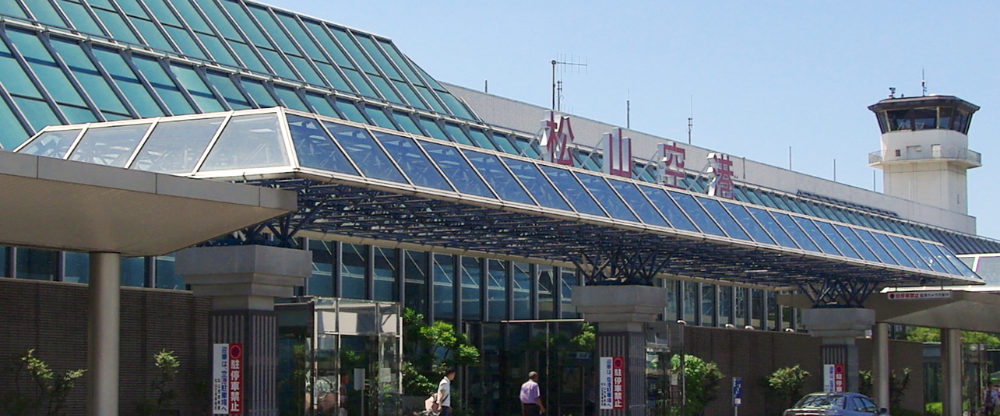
925,149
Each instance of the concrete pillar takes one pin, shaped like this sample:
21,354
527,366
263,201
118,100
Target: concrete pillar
838,328
622,314
880,365
103,333
243,282
951,366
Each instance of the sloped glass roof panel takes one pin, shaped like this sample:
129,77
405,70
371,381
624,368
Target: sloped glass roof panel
606,197
413,161
538,185
837,239
499,178
669,208
895,251
856,243
908,251
876,246
817,236
646,211
176,146
433,129
481,139
407,123
795,231
365,152
749,224
51,143
457,134
925,255
723,218
314,147
247,142
321,105
457,169
779,234
378,116
351,111
109,146
938,257
690,206
574,191
965,269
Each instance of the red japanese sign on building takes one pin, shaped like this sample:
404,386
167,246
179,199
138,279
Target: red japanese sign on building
617,154
618,382
227,379
671,164
720,171
556,140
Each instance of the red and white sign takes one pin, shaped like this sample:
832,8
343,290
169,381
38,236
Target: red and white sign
605,373
720,171
556,140
617,154
935,294
227,379
618,381
834,378
671,166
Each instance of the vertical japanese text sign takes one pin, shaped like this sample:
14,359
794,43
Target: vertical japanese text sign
617,154
556,140
227,379
618,377
720,170
605,374
671,164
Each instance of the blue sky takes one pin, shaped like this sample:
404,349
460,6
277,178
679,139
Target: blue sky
762,76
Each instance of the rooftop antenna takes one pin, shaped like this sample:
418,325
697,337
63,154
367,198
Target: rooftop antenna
923,82
557,91
691,119
628,110
892,92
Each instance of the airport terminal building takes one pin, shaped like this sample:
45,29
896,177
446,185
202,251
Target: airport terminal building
413,193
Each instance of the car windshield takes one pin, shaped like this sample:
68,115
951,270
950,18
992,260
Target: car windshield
821,401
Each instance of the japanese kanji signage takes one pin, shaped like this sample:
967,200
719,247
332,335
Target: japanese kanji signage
671,165
834,378
922,295
720,172
227,379
612,379
617,154
556,140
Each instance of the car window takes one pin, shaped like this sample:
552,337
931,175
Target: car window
869,406
858,405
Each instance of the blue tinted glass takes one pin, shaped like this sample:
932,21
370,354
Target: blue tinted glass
109,146
639,203
81,19
793,230
426,93
351,111
281,68
353,50
876,247
185,42
456,107
537,184
176,146
938,257
164,86
334,77
250,60
10,8
459,171
91,80
227,88
925,255
837,239
749,224
14,133
433,129
768,222
310,75
15,78
214,14
691,207
379,117
272,29
203,96
481,139
77,115
723,218
400,62
669,208
328,44
574,191
407,123
129,84
457,134
246,142
44,12
385,89
314,147
45,68
259,93
499,177
413,161
895,251
606,197
152,34
51,144
300,35
243,20
365,152
817,236
119,30
504,143
38,112
191,16
410,94
321,105
218,51
960,266
857,243
369,45
290,98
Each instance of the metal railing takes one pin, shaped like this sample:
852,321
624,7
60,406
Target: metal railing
934,153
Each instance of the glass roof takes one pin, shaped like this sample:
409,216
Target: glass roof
279,142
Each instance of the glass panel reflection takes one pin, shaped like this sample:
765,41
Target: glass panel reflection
574,191
454,166
927,257
314,147
817,236
906,249
727,222
793,229
607,197
669,208
246,142
837,239
109,146
697,213
52,144
896,253
413,161
743,216
937,257
856,242
638,203
771,225
876,247
176,146
499,177
537,184
365,152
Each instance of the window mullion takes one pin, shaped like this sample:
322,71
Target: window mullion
33,77
71,77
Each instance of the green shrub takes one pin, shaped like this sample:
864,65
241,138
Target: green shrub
934,409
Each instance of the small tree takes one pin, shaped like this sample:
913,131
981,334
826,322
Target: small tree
785,385
702,382
168,364
428,350
897,386
51,388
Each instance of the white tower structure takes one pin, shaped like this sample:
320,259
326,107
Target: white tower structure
925,149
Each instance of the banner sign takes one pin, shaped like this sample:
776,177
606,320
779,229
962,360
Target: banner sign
935,294
227,379
606,377
618,377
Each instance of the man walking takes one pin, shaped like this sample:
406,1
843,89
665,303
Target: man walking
444,391
531,398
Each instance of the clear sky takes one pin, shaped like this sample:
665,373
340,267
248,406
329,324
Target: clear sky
760,76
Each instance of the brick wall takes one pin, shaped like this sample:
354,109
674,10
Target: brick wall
52,319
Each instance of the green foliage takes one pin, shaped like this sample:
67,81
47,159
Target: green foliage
168,364
785,385
702,382
897,386
934,409
430,349
48,393
968,337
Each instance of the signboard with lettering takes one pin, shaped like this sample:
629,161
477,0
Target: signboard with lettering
834,378
227,379
617,154
557,136
605,373
618,378
720,172
921,295
737,391
671,166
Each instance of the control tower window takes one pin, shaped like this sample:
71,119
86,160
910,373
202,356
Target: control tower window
944,117
961,122
900,120
925,118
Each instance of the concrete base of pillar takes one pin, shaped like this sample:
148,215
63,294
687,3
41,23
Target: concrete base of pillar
838,327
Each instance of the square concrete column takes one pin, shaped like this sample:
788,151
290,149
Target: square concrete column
838,328
622,314
243,282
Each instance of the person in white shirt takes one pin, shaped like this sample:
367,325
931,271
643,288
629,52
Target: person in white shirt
444,391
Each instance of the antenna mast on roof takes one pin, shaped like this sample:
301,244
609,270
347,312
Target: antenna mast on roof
923,82
691,119
557,92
